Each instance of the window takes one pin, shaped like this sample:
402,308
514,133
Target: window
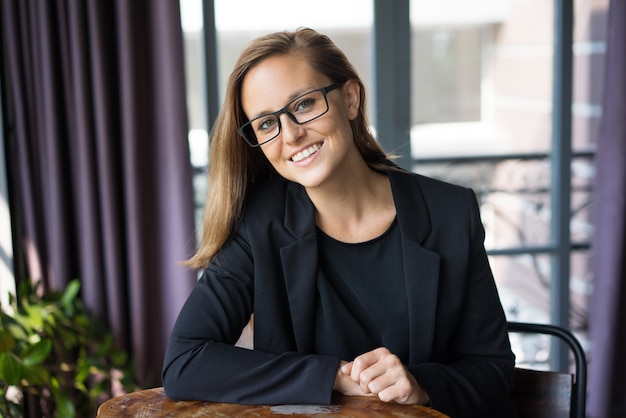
483,116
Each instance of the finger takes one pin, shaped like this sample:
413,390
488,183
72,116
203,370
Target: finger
346,368
387,372
366,360
393,394
380,362
375,377
396,386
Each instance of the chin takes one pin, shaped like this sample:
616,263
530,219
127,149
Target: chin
309,180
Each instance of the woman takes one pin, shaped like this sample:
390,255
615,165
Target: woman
362,278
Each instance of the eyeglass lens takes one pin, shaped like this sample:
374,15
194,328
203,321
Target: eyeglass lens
301,110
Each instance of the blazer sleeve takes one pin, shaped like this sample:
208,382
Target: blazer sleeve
480,368
202,363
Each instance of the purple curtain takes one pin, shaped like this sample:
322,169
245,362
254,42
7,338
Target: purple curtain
607,385
98,159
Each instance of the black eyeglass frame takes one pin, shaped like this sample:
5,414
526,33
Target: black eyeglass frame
324,90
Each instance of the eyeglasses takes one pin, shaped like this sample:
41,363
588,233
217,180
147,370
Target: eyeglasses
304,108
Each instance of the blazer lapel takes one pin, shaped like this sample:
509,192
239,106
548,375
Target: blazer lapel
299,261
421,266
421,272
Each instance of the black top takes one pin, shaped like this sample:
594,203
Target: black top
364,285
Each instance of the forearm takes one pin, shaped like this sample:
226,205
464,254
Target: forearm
468,384
224,373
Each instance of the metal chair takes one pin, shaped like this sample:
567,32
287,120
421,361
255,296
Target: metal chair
546,393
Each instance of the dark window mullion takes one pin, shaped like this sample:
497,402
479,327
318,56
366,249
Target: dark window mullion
392,78
561,171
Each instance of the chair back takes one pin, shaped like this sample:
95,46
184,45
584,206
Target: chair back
550,394
542,394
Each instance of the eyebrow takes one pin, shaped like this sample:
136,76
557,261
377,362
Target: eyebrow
291,98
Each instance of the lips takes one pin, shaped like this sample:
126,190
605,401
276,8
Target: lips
307,152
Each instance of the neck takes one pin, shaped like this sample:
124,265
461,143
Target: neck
357,208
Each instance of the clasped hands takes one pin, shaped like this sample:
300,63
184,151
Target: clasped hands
379,373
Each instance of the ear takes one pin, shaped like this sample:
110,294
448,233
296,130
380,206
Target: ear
352,93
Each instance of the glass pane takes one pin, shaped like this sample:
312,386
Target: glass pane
524,287
447,75
192,25
482,77
520,204
191,19
514,196
581,287
236,28
583,174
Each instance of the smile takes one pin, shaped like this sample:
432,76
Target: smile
305,153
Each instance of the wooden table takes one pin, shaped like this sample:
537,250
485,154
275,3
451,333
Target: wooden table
154,403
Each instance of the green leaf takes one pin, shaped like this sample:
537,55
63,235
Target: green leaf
64,406
82,371
36,375
34,317
119,358
16,330
99,388
105,346
10,369
7,341
37,353
15,410
71,291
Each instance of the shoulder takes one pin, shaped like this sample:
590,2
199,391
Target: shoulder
259,193
426,206
433,192
264,198
274,198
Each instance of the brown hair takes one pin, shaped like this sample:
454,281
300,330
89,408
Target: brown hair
233,164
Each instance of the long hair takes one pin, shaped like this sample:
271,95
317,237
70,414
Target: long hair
233,165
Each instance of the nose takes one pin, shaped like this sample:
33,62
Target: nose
290,131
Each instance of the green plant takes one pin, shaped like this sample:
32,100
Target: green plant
53,350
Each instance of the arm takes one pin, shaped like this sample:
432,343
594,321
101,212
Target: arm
481,367
201,362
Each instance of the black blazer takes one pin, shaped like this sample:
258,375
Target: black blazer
459,346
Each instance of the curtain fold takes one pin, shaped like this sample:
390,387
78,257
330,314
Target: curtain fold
98,159
607,374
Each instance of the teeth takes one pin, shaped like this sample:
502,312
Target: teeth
305,153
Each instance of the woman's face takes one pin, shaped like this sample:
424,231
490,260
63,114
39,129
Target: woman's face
312,153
